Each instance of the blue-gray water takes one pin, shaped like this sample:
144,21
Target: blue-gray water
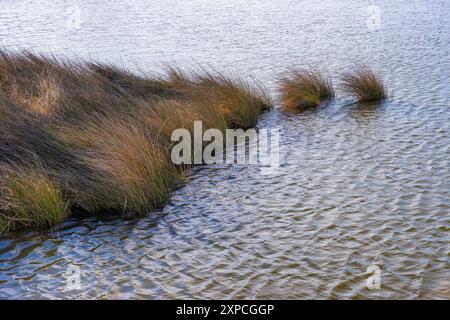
359,186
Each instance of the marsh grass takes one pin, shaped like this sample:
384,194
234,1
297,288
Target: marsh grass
101,134
30,198
130,171
365,84
304,88
240,101
136,85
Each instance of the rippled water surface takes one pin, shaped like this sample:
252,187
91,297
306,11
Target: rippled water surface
359,185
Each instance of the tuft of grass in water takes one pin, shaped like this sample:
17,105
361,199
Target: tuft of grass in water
30,198
102,134
364,84
304,88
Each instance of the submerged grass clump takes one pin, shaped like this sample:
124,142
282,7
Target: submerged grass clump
364,84
304,88
101,134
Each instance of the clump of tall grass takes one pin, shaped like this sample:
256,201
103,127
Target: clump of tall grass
136,85
239,100
130,172
102,133
30,198
34,82
365,84
162,117
304,88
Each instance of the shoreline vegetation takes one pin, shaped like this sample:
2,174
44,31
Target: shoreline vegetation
88,138
81,137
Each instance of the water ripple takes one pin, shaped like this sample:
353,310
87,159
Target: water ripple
359,185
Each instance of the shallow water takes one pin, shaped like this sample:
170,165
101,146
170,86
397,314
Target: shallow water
359,186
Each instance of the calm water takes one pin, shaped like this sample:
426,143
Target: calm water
358,186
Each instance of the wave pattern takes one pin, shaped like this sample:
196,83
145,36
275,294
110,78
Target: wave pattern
358,186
